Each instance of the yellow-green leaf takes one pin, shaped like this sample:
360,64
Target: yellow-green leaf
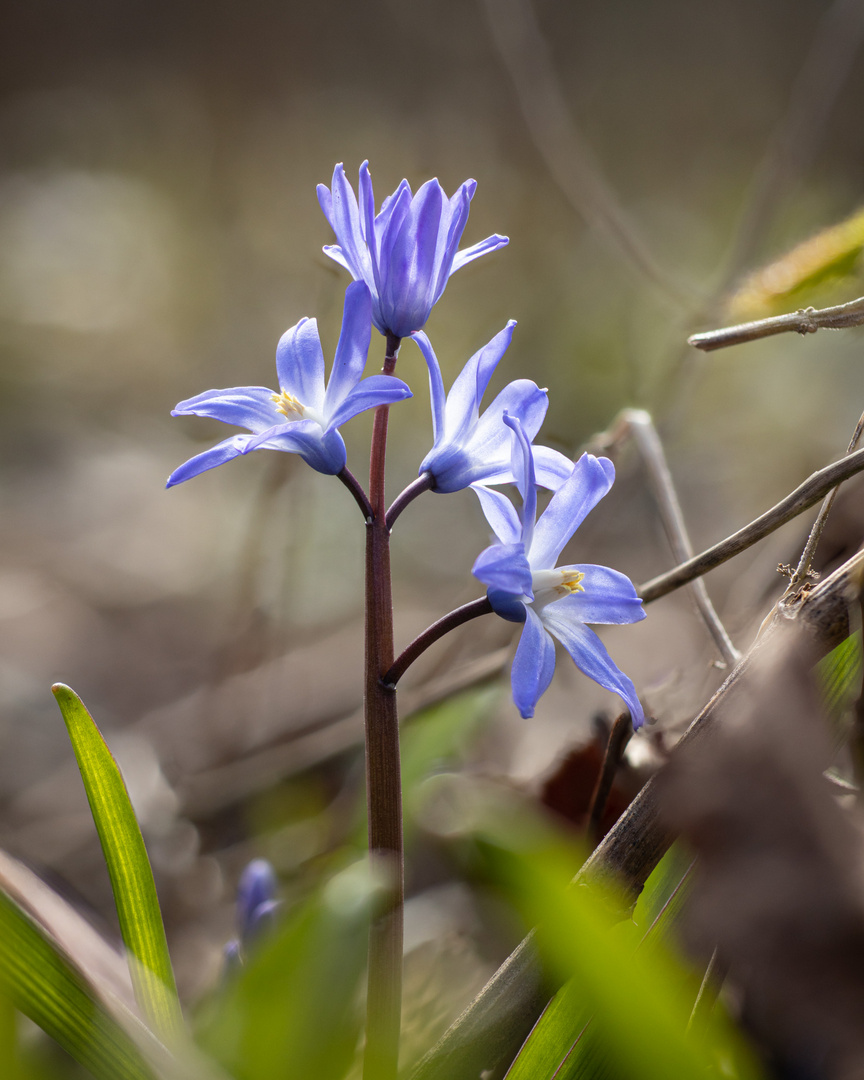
128,867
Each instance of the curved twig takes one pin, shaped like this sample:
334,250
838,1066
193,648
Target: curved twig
801,499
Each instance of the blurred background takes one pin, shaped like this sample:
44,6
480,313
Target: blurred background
159,230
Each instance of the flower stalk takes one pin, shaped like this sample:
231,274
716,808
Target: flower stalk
383,769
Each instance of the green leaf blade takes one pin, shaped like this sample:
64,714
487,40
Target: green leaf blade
41,982
128,866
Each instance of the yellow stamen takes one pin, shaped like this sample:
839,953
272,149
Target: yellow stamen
570,582
288,405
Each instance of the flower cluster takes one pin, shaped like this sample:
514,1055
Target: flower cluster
401,260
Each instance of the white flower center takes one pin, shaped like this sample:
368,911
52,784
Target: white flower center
551,585
293,409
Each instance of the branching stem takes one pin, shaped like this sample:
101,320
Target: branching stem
360,497
423,483
432,634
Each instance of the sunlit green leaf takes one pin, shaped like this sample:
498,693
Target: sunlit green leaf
840,674
43,984
562,1043
640,1003
128,866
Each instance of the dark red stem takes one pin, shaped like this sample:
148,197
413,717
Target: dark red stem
360,497
383,770
432,634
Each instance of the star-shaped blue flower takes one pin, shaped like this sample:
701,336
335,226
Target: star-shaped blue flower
304,416
524,585
405,254
473,449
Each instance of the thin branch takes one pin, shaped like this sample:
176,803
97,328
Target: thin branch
802,498
423,483
802,570
647,441
804,321
619,736
567,156
432,634
353,485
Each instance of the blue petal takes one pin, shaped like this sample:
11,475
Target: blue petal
389,222
300,364
551,467
408,292
334,252
609,597
250,407
325,452
257,886
503,567
344,218
463,401
436,385
523,470
483,453
367,221
533,665
500,513
590,480
590,656
491,243
369,394
352,350
457,211
507,605
216,455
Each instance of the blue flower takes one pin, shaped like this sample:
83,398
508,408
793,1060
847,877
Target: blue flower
472,449
524,585
256,898
303,417
405,254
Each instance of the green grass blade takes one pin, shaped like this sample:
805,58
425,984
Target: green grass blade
128,867
562,1044
43,984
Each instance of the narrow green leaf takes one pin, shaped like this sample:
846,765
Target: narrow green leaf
128,867
840,674
43,984
640,1000
562,1044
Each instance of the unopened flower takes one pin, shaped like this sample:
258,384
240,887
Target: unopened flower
473,449
303,417
524,585
407,252
258,911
